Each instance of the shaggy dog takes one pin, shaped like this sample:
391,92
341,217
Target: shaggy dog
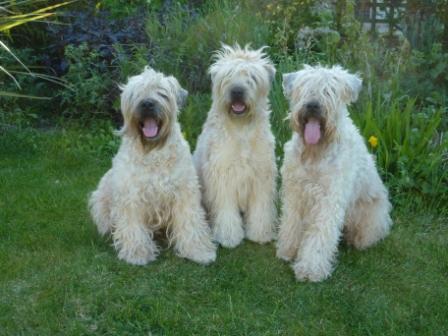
235,156
152,183
330,182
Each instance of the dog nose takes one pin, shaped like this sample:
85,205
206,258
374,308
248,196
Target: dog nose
148,104
312,106
237,92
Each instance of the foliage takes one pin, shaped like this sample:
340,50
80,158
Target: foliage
184,40
428,76
14,109
90,90
286,18
98,31
126,8
411,151
12,15
402,104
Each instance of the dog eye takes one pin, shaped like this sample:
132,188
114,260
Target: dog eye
164,96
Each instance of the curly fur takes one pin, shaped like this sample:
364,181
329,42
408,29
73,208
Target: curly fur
152,185
235,156
330,187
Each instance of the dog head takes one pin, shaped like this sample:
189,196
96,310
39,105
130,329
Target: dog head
150,103
241,78
318,97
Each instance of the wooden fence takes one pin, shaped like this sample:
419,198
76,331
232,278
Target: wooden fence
381,16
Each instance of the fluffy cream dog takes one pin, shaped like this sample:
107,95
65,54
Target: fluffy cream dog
330,182
235,156
152,184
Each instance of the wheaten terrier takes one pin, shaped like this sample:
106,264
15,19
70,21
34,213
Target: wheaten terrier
330,182
235,156
152,184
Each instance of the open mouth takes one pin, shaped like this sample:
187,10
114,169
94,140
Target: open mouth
150,128
238,108
312,131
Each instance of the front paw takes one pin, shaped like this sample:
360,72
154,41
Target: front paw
286,254
311,271
260,236
205,255
138,256
228,231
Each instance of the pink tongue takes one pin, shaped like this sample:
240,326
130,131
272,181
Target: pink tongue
312,132
238,107
150,128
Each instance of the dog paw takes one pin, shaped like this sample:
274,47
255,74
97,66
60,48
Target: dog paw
140,256
313,273
203,256
228,233
229,239
286,255
103,228
260,237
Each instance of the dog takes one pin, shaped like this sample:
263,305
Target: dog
330,185
235,157
152,184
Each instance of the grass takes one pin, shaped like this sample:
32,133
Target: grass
58,277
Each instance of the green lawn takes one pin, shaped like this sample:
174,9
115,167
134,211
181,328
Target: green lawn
58,277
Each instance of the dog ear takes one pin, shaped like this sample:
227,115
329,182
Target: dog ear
352,84
271,72
181,97
288,80
212,71
126,107
180,93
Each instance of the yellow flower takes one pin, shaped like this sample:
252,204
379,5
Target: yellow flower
373,141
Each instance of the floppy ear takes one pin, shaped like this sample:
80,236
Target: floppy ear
352,84
271,72
126,98
288,80
212,71
180,93
181,97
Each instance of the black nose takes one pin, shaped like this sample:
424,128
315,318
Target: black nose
237,93
148,104
312,106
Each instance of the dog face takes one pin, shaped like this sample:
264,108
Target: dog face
318,97
240,77
150,103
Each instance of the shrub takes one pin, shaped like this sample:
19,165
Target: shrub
411,150
183,41
91,89
98,31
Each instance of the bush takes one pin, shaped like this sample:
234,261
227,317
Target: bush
183,41
90,90
411,150
99,31
402,104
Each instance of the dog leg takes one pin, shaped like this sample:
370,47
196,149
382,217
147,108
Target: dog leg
261,216
368,221
132,239
190,231
227,225
319,244
291,228
99,205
